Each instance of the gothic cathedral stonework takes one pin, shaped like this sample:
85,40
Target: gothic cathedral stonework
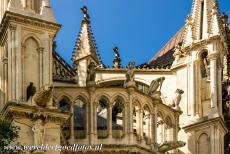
126,110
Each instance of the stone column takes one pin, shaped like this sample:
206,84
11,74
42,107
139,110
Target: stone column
141,124
149,128
109,120
86,119
154,127
40,52
18,64
13,50
219,84
72,133
191,93
124,120
92,118
5,69
23,88
213,79
176,129
129,121
164,131
138,123
11,63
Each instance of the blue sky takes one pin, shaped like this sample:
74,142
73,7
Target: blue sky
138,27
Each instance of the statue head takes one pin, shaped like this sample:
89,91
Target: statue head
38,122
161,79
131,65
179,91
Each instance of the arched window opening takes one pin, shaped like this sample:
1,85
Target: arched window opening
31,64
102,118
204,65
160,128
80,118
168,129
64,106
117,118
146,124
203,144
136,120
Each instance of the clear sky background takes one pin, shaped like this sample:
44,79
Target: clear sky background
138,27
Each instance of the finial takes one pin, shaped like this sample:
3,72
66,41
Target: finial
115,49
85,12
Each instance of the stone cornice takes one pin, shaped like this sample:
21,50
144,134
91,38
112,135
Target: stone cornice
136,71
205,123
195,45
34,112
26,20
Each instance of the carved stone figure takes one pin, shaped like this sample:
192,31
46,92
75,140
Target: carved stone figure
207,67
30,91
85,12
117,59
155,86
204,66
176,99
91,73
178,52
43,96
130,74
39,131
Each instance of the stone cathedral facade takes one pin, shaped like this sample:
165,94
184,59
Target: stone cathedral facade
177,103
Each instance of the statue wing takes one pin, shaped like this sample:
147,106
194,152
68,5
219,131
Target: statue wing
153,86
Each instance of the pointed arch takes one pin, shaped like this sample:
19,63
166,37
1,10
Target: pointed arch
33,36
203,144
102,96
83,98
119,95
66,95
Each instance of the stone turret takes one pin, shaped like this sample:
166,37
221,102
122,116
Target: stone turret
85,50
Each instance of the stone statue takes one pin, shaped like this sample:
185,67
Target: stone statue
39,131
155,86
85,12
176,99
204,66
91,72
130,74
178,52
43,96
207,67
30,91
117,59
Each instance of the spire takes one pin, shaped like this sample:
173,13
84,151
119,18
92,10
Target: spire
85,45
203,22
